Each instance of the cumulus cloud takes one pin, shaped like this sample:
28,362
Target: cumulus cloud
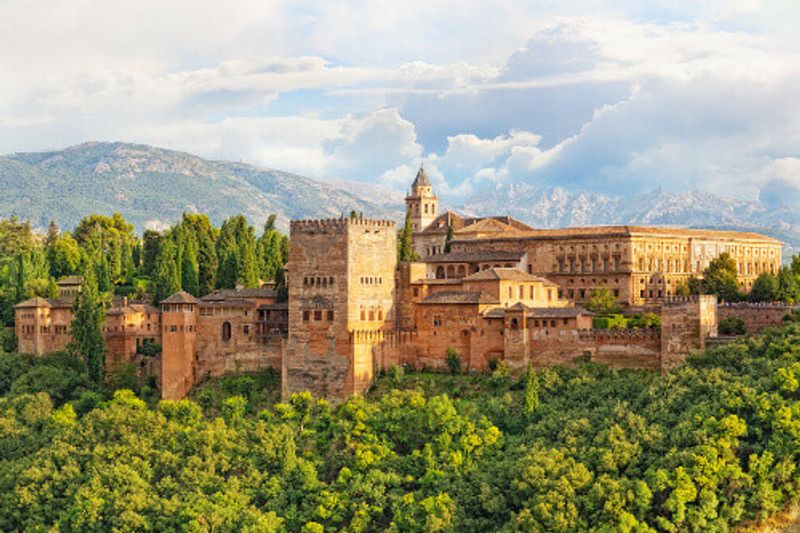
602,96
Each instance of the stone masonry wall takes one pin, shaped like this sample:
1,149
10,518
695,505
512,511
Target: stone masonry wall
755,316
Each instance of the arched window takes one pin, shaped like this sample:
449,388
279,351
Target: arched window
226,331
440,272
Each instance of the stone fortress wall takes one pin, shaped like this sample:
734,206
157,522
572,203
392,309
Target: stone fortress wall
503,291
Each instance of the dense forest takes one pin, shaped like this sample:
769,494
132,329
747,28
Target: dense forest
192,255
709,446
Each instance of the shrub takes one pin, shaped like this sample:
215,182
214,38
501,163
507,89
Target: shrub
396,374
453,361
732,326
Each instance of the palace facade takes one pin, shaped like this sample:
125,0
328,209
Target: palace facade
503,291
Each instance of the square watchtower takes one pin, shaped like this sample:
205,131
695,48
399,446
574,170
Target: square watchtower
341,303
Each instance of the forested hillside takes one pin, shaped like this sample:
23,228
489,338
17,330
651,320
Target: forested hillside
707,447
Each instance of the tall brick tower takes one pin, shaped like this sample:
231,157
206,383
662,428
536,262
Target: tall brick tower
341,303
178,339
422,205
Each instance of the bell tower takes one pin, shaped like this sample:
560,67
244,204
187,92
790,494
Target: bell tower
421,204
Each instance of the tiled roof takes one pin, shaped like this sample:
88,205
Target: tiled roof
70,280
181,297
629,231
458,297
226,303
34,302
133,308
249,292
440,223
275,307
538,312
513,274
475,257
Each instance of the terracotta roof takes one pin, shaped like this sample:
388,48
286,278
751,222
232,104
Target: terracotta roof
475,257
133,308
513,274
226,303
487,225
440,223
249,292
629,231
458,297
181,297
275,307
34,302
70,280
538,312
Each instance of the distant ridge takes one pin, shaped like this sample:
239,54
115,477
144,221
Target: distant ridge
555,207
152,187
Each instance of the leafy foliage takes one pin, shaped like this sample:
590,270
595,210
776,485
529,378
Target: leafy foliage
711,446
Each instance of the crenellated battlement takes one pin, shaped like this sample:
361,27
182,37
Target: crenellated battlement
605,334
337,224
676,301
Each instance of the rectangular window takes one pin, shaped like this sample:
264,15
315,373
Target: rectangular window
330,316
317,315
306,315
437,321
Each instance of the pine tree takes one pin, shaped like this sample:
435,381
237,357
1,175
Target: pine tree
165,277
87,326
531,392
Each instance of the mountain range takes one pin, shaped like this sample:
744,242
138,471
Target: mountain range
152,187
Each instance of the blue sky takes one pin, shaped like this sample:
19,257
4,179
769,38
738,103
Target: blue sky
618,97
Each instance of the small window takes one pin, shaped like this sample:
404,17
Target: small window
437,320
246,330
318,315
330,316
306,315
226,331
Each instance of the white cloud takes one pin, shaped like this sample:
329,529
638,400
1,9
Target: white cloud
600,95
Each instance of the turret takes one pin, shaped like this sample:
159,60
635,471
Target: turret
179,336
421,204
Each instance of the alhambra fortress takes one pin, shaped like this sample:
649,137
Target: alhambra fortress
503,291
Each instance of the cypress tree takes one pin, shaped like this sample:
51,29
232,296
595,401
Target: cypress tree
404,246
21,278
449,238
280,286
103,276
248,264
228,272
87,326
531,392
165,277
190,271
